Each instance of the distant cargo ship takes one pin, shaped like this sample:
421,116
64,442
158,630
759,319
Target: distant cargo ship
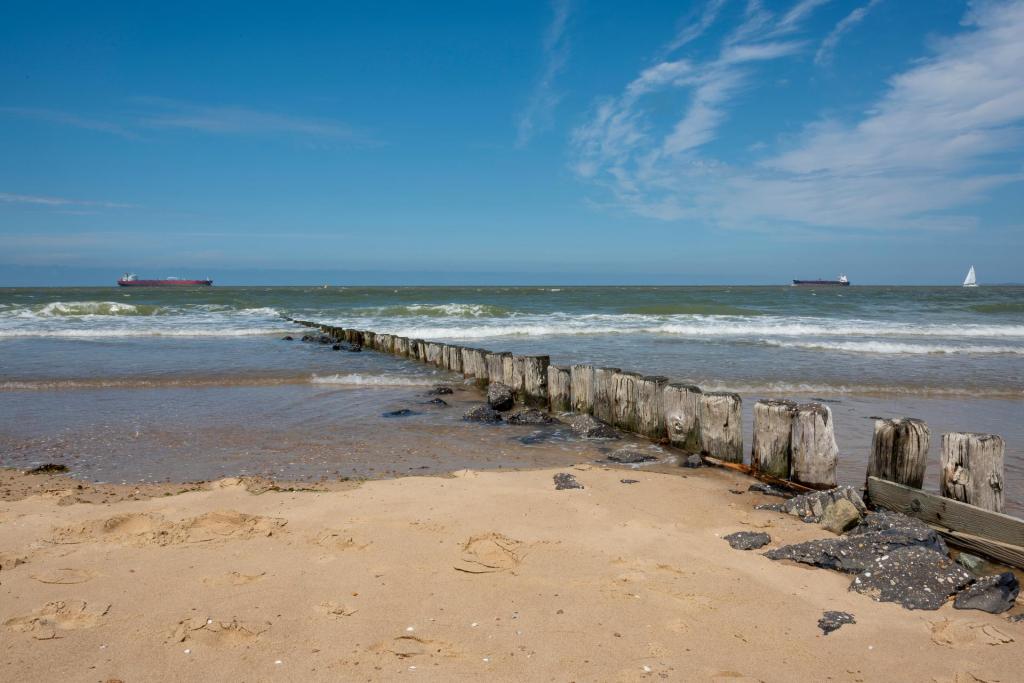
841,281
132,280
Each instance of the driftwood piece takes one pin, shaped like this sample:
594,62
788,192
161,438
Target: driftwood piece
626,395
771,449
650,407
899,451
582,388
535,380
721,426
972,469
682,416
559,389
603,403
815,454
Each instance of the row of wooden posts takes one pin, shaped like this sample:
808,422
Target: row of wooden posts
791,441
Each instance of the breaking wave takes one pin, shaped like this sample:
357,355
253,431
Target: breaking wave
355,379
896,348
80,308
452,310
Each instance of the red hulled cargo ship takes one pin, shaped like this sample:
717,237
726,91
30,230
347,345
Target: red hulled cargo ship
132,280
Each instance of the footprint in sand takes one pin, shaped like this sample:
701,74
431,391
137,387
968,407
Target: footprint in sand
61,615
216,633
149,529
233,579
64,576
491,553
405,647
337,539
335,610
9,561
965,634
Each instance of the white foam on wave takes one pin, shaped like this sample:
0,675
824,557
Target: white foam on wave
83,308
355,379
111,333
815,389
896,348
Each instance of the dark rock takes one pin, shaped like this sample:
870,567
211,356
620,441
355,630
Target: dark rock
693,461
404,412
336,347
288,338
840,516
1016,618
324,339
830,621
500,397
482,413
857,550
564,480
440,391
48,468
437,402
748,540
589,427
629,481
972,563
308,338
993,594
768,490
628,456
915,577
530,416
354,349
810,506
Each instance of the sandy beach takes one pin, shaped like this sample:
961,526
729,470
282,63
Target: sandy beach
477,575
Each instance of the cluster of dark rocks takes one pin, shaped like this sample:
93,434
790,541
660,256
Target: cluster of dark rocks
564,480
501,407
325,340
436,392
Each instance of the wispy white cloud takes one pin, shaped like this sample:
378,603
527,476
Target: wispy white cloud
41,200
945,134
845,25
695,25
67,119
539,111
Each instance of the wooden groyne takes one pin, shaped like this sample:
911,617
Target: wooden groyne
794,444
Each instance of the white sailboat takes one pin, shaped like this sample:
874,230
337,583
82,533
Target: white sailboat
970,280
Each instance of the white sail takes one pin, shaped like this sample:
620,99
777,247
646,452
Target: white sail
970,280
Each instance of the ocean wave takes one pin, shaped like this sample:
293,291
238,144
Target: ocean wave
452,310
99,308
355,379
896,348
113,333
810,389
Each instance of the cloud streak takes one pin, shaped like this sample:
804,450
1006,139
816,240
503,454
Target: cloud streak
539,112
40,200
845,25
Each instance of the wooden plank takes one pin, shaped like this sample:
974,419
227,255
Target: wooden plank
1008,554
947,513
761,476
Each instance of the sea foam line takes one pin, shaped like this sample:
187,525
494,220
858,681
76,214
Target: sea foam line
896,348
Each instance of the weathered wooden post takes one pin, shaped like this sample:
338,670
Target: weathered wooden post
508,371
650,407
383,343
421,350
899,451
581,379
626,385
402,346
434,353
603,403
972,469
455,358
559,389
815,454
479,363
535,380
365,338
496,366
721,425
682,416
772,448
517,379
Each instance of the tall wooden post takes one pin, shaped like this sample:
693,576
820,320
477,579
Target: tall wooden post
650,407
899,451
603,393
559,389
815,453
721,426
972,469
682,416
582,379
626,387
535,381
496,365
772,448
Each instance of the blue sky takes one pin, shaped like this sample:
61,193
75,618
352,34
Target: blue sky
722,141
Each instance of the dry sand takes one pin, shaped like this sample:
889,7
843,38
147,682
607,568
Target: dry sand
477,576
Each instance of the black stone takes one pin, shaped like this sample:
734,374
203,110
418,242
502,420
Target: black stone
530,416
768,490
354,349
437,402
693,461
48,468
500,397
482,413
288,338
563,480
993,594
308,338
858,549
629,481
589,427
748,540
915,577
440,391
627,456
1016,618
403,412
336,347
830,621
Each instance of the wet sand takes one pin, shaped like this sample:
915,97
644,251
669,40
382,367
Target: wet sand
476,575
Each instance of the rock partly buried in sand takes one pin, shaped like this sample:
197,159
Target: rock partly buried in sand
402,412
693,461
810,506
628,456
768,490
840,516
915,577
878,535
748,540
589,427
530,416
48,468
1016,618
972,563
287,338
437,402
308,338
564,480
830,621
440,390
482,413
500,397
629,481
994,594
